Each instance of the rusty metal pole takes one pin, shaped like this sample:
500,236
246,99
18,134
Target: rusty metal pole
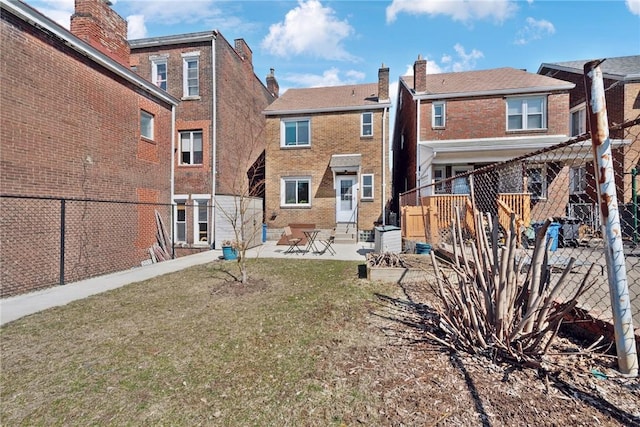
612,232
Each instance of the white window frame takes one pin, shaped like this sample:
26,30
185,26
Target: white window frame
283,193
578,179
442,115
365,187
191,152
146,127
283,132
179,200
543,183
524,113
439,184
581,111
200,201
364,125
155,79
186,59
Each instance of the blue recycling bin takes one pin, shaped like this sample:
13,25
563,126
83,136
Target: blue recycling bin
553,233
264,233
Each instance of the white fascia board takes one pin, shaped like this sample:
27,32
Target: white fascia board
483,93
35,18
493,144
326,110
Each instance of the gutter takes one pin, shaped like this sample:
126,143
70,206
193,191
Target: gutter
512,91
327,109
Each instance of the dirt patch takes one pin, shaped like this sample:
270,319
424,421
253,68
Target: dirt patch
235,288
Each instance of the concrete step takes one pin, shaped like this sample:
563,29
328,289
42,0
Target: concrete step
346,233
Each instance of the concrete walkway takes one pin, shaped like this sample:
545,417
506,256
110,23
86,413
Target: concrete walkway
13,308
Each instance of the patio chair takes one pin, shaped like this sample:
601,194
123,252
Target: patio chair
293,241
328,243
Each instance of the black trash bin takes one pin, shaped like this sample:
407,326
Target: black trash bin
569,231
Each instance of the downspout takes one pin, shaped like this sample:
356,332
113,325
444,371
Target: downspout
417,150
172,179
384,167
214,132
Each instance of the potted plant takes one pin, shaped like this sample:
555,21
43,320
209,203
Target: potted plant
229,250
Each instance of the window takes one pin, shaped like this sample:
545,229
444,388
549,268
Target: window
526,113
577,180
537,181
191,74
438,115
159,73
295,133
438,180
367,124
146,124
578,120
181,221
191,148
367,186
295,192
201,219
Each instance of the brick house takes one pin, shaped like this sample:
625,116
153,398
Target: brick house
219,125
621,77
452,123
76,123
326,158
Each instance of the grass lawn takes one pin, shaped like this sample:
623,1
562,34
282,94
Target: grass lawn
194,348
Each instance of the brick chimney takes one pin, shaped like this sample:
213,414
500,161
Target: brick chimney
420,75
383,83
242,48
272,84
95,23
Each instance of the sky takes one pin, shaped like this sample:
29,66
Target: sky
313,43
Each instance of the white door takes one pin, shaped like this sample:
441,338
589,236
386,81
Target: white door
346,198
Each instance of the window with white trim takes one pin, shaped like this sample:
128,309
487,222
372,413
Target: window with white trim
159,72
181,221
367,186
577,180
527,113
146,124
366,128
201,220
578,123
438,115
295,191
295,133
537,180
191,147
191,74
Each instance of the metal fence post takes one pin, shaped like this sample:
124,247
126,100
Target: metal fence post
612,232
62,235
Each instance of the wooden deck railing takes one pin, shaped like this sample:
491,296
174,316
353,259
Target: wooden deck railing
518,203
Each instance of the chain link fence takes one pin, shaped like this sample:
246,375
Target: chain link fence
51,241
556,183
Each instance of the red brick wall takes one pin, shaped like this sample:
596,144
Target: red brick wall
486,118
72,129
337,133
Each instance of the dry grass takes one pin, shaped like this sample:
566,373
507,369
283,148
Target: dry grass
306,343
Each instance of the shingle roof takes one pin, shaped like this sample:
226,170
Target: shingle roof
622,66
330,98
486,81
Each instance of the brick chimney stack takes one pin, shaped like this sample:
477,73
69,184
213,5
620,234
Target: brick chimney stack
95,23
272,84
383,83
420,75
242,48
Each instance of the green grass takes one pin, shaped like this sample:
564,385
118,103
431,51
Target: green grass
193,348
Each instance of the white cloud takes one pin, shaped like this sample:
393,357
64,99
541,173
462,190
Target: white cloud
458,10
136,28
460,61
172,12
309,29
330,77
534,30
633,6
58,10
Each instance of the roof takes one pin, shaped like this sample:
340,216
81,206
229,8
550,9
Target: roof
496,81
619,68
345,160
36,19
174,39
327,99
